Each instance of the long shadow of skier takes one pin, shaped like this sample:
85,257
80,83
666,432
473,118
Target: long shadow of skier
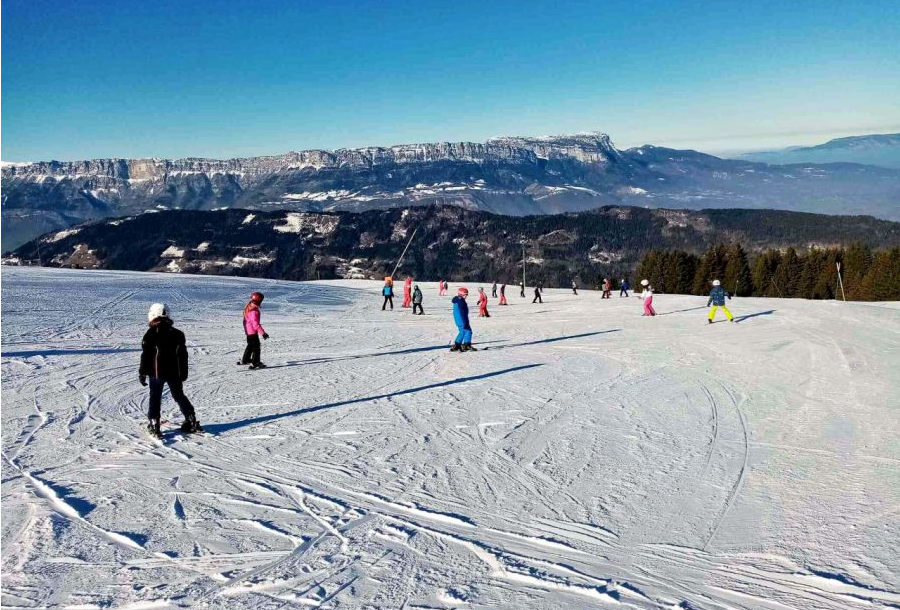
555,339
738,319
412,350
681,310
68,352
220,428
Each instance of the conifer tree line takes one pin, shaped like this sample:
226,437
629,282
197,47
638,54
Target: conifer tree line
868,275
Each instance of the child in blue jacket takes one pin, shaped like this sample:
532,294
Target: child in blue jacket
717,300
463,342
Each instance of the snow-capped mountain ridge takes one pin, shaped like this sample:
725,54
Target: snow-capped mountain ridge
591,147
513,175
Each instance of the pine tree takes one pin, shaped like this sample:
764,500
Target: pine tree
764,269
882,282
736,277
787,276
857,260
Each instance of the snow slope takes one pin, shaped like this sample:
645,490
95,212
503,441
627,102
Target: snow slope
590,458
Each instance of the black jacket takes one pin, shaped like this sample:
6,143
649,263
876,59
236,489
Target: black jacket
164,354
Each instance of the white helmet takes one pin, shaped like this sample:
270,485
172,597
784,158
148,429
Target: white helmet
157,310
645,282
717,283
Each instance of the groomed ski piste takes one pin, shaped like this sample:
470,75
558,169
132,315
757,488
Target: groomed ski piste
590,458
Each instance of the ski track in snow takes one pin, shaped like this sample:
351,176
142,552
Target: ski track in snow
590,458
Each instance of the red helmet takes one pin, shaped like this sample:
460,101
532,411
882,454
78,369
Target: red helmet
463,291
257,297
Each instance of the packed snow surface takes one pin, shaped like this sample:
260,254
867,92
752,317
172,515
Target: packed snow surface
589,458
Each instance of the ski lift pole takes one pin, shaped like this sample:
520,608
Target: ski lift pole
840,281
404,252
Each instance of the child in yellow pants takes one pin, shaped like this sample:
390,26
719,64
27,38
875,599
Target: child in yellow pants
717,298
714,308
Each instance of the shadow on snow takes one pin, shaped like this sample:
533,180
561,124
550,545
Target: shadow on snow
752,315
220,428
67,352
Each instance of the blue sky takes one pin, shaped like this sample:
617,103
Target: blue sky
171,79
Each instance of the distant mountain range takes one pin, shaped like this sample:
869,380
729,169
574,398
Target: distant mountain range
882,150
511,175
450,242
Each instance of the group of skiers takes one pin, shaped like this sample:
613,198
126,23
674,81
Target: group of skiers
164,356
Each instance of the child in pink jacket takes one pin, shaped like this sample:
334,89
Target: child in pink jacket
253,330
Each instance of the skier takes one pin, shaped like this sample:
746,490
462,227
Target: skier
407,292
388,293
574,288
503,295
463,342
494,289
624,287
253,329
164,359
717,300
417,300
537,295
607,289
440,288
522,289
482,304
647,296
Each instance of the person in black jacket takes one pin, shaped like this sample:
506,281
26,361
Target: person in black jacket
164,359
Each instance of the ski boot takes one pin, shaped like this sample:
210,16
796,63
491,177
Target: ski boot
710,321
258,365
456,347
153,429
191,425
467,347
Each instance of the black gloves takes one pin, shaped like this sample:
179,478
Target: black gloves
265,335
142,379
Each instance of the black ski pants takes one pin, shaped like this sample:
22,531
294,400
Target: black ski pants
177,392
252,351
419,305
537,299
386,301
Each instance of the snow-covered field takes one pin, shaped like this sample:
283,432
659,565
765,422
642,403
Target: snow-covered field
590,458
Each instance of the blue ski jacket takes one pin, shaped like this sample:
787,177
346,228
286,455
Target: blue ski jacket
717,296
461,313
387,291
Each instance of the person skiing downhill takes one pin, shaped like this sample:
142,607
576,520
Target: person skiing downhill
494,289
253,329
647,297
417,300
388,293
407,292
522,289
717,300
607,289
441,289
503,295
482,304
164,359
624,287
463,341
574,288
537,295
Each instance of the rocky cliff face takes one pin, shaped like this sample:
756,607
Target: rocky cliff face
510,175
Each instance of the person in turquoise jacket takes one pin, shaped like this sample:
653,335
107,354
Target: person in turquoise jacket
463,341
388,293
